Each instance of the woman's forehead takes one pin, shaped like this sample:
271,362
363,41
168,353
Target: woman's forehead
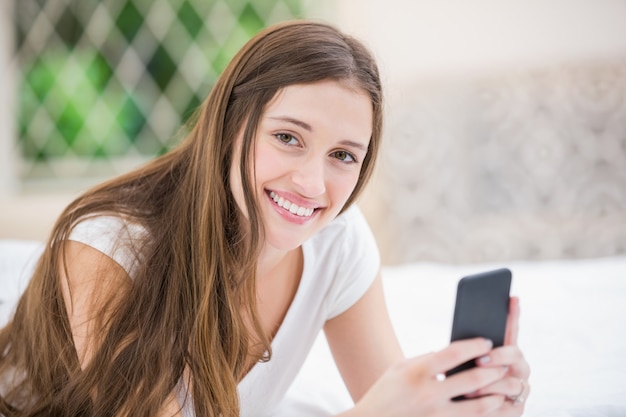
327,103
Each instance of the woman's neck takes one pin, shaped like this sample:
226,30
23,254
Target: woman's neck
272,260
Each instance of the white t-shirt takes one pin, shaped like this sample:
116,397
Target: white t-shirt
340,264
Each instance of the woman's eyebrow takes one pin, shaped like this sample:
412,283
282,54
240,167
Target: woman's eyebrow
296,122
353,144
309,128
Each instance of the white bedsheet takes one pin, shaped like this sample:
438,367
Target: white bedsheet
573,329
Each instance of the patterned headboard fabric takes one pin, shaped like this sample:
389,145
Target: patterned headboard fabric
527,165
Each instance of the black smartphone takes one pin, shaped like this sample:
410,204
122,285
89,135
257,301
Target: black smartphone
481,309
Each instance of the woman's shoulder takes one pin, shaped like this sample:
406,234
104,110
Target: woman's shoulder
116,236
344,259
109,224
350,224
346,233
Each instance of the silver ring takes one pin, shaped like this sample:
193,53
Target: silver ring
519,398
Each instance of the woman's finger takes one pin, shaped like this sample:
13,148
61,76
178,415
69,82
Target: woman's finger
473,380
510,387
457,353
512,322
510,356
477,406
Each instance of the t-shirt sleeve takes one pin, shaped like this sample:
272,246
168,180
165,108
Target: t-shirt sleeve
112,236
358,263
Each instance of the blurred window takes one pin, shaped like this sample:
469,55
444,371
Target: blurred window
106,84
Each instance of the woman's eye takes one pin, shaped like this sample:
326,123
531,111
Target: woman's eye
344,156
286,138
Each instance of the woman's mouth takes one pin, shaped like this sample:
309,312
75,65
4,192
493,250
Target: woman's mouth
293,208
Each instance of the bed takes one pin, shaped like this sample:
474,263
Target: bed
572,329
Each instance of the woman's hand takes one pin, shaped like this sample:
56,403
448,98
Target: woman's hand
514,385
415,387
498,386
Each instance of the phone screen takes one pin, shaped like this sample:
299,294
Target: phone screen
481,309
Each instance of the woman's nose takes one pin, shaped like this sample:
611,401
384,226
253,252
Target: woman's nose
308,176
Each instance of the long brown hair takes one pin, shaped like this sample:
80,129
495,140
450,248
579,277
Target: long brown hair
188,301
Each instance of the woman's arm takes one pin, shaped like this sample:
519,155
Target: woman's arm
363,342
92,284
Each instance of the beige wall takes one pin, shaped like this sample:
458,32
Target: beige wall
419,39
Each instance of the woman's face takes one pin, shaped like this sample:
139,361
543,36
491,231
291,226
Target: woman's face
310,145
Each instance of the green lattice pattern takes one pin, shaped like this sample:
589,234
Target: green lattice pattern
115,79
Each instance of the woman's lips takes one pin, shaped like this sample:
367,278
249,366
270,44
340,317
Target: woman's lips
293,208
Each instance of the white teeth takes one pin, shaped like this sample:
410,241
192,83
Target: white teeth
292,207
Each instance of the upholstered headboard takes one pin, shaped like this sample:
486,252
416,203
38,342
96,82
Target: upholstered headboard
526,165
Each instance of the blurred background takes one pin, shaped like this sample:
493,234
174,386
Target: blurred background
505,135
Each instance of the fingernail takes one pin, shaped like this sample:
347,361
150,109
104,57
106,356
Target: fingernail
489,343
484,359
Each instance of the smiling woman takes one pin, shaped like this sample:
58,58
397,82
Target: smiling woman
197,284
307,158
